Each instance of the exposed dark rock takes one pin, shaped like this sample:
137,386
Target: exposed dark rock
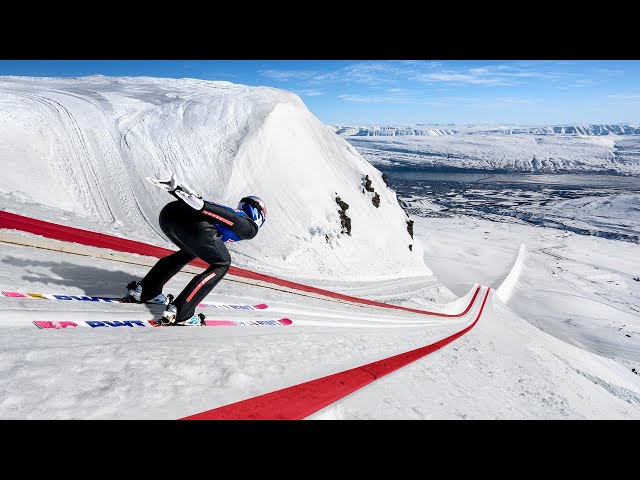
369,188
367,184
410,227
345,221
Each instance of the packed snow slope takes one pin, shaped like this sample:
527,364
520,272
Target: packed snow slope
87,144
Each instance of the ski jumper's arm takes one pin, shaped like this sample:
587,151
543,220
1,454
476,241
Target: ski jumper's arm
241,225
234,220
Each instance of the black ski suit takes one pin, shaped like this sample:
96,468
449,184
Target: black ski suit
197,234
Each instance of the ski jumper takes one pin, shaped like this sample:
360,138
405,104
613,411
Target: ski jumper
201,234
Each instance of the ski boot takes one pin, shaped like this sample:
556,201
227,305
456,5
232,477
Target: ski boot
134,290
168,316
195,321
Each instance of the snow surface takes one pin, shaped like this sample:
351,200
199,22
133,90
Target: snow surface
578,288
76,152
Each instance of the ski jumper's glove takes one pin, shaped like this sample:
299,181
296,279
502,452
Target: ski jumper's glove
189,197
169,185
181,192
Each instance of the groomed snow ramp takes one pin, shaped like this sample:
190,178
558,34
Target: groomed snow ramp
506,288
300,401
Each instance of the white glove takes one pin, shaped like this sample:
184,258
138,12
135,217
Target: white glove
169,185
183,192
190,198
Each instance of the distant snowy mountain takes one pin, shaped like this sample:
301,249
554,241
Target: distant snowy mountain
82,148
421,130
551,149
389,131
596,130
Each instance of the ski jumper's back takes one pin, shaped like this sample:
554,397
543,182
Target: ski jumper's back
232,224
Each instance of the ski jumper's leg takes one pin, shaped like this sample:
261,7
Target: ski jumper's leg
213,251
171,220
162,272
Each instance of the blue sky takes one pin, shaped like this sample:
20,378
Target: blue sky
406,91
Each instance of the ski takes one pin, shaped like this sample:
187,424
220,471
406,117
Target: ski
230,323
84,298
59,324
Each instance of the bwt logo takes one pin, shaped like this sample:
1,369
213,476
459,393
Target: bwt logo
92,324
83,298
116,323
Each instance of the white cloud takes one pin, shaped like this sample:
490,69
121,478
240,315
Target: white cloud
479,71
398,91
585,82
286,75
378,73
625,96
309,93
370,73
367,73
489,75
474,78
610,71
373,99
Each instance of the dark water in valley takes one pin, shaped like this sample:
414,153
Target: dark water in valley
528,198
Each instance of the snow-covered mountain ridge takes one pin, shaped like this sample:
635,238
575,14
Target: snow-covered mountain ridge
82,147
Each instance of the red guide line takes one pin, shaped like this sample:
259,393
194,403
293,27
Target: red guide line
102,240
300,401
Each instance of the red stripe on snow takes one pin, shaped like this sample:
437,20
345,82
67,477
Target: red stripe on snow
102,240
77,235
300,401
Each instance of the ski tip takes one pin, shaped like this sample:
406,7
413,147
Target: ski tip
15,294
260,306
285,321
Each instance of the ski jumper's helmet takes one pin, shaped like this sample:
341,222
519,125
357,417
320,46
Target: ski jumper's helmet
255,208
